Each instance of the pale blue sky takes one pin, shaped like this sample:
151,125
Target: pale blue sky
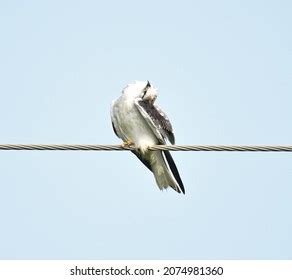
223,70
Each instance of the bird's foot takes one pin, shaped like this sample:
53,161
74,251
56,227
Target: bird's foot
127,144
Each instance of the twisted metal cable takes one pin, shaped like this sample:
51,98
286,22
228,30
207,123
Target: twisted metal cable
198,148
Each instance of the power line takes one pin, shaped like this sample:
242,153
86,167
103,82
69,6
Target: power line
197,148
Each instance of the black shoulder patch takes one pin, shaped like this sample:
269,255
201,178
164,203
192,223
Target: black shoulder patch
159,118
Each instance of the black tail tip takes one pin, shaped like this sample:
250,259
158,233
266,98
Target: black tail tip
182,190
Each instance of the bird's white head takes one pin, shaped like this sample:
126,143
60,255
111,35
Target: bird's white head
141,89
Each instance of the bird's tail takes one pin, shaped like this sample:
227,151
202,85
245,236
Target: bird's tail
165,171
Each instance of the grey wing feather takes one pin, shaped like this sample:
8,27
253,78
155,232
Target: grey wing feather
142,159
114,122
115,131
157,120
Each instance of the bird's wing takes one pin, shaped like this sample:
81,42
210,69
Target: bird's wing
114,129
144,160
157,120
115,126
162,129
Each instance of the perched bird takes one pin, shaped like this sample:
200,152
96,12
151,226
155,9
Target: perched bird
140,122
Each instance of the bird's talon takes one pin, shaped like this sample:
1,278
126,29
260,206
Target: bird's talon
127,144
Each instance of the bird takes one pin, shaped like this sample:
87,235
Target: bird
141,123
